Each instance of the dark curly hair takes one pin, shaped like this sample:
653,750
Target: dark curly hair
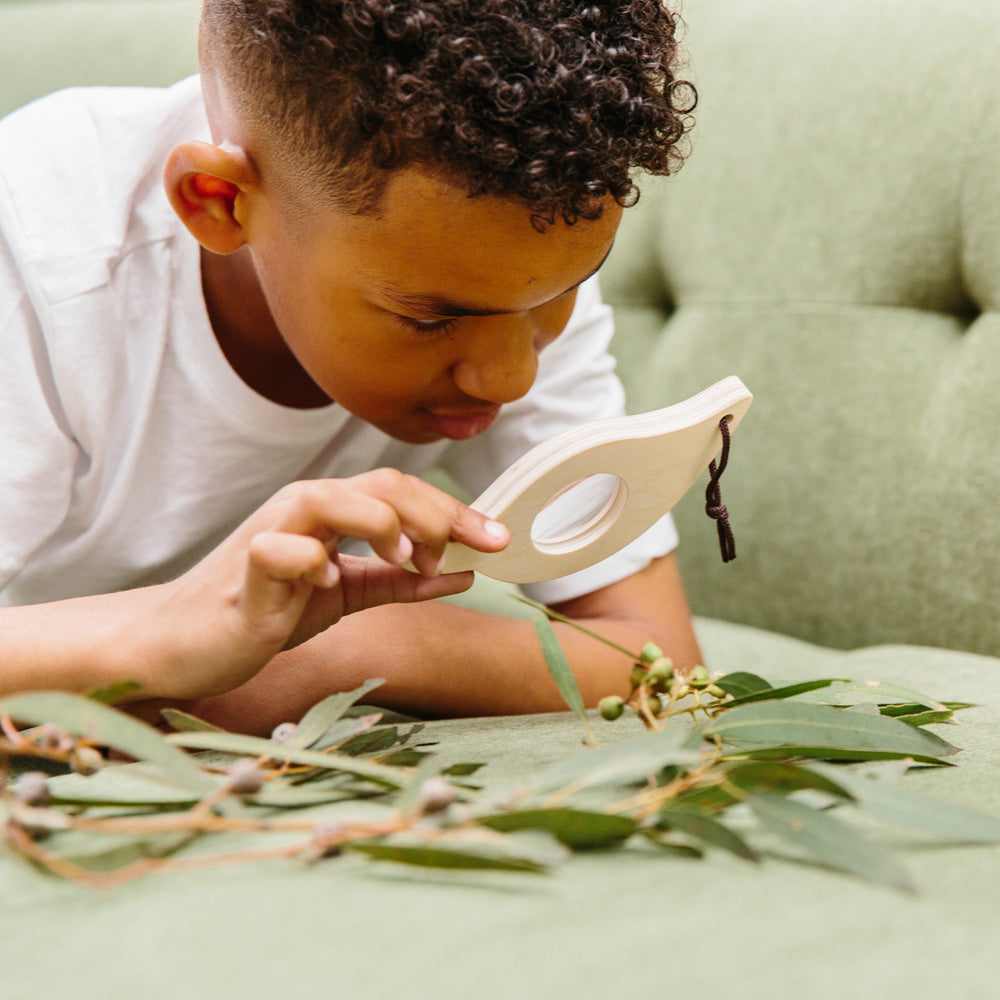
552,102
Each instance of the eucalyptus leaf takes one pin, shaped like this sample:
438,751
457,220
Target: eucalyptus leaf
894,804
790,750
633,760
783,778
128,785
687,851
184,722
315,723
462,770
741,683
528,851
576,828
112,694
828,840
928,718
777,693
105,725
787,724
254,746
346,729
709,831
561,671
852,692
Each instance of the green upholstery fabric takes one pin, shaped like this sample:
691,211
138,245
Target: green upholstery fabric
833,240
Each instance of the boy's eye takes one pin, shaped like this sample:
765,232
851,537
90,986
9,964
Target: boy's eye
426,327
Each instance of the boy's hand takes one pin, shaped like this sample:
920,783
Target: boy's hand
279,579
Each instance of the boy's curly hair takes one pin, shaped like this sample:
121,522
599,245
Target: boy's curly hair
552,102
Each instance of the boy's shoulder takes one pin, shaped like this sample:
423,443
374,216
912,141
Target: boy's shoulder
80,177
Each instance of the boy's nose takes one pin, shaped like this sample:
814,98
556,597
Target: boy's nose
500,362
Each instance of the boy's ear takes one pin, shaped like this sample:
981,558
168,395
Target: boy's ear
207,187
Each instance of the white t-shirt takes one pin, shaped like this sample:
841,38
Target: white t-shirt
128,446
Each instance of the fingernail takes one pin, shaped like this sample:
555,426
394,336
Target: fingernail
494,529
404,547
439,568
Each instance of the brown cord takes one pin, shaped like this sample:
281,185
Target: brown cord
714,507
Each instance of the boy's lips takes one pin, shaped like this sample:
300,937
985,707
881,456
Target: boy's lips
459,425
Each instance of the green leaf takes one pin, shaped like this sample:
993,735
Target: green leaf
930,717
687,851
184,722
578,829
878,692
706,801
110,727
462,770
894,804
741,683
783,778
114,693
528,851
777,693
561,671
828,840
709,831
898,709
253,746
315,723
344,730
377,740
634,760
826,731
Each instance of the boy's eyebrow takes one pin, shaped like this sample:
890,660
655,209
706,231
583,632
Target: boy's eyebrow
438,305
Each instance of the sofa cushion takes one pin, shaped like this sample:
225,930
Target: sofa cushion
834,240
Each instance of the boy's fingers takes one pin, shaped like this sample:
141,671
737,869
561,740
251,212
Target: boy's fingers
278,559
331,508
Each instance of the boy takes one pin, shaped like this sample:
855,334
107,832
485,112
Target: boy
373,250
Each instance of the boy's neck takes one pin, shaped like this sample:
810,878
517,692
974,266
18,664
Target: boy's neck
247,334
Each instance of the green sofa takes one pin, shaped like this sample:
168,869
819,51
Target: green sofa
834,240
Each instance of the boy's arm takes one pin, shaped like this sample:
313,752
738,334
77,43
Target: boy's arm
439,659
278,580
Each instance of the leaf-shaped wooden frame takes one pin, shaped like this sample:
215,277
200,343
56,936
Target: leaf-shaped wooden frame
657,457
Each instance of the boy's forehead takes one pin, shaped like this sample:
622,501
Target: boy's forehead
424,224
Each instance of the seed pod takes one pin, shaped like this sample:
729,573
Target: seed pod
436,795
611,707
244,777
699,678
650,653
661,674
33,789
638,676
716,692
283,732
86,760
654,705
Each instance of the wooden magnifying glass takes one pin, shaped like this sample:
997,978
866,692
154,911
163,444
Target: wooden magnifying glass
587,492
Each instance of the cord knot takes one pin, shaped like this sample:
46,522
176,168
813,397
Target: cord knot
714,507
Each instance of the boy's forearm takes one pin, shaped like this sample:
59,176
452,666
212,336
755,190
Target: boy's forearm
440,660
77,645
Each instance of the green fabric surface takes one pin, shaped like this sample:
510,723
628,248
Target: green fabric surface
833,240
607,923
49,44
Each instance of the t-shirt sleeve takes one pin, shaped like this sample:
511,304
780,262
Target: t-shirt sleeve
576,382
37,455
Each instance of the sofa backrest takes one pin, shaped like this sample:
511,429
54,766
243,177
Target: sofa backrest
49,44
834,240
